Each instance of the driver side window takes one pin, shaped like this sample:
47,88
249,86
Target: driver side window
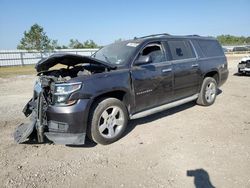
154,50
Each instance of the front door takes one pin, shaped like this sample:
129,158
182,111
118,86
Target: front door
153,82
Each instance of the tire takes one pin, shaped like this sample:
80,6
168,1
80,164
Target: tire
208,92
108,120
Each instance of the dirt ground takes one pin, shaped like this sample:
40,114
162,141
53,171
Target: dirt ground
186,146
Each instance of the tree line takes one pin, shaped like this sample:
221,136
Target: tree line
36,39
233,40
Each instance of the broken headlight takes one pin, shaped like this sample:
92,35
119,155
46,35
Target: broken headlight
63,91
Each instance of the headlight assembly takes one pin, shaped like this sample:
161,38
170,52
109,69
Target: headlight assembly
62,92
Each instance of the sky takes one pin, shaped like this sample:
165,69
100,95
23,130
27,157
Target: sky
105,21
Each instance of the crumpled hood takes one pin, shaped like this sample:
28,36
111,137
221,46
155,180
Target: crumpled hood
69,60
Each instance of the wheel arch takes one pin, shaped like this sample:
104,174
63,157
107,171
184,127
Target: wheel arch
214,74
119,94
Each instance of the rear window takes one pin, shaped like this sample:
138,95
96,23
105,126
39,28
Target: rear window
180,49
210,48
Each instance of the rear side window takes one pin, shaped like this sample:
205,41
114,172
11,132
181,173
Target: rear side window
210,48
180,49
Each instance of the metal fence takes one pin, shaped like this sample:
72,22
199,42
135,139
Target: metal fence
22,57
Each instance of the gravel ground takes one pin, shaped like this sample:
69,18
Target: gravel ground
186,146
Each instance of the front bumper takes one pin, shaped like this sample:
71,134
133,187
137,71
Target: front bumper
60,124
68,124
70,119
66,138
244,69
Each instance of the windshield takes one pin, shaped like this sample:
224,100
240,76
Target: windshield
116,53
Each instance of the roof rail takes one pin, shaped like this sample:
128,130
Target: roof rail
154,35
195,35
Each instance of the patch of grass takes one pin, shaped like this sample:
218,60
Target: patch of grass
6,72
12,71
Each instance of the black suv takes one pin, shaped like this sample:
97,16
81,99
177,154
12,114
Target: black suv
97,95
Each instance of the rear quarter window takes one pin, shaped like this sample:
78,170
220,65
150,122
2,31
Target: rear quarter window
210,48
180,49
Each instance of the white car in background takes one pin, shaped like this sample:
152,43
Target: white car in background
244,65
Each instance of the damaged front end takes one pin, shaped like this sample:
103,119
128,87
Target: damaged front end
57,108
44,95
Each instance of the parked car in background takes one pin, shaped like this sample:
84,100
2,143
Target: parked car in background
244,65
240,49
96,96
248,47
225,50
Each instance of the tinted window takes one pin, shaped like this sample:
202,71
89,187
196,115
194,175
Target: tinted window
210,48
180,49
155,51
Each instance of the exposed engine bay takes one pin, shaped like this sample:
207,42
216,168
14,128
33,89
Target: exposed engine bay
65,74
53,87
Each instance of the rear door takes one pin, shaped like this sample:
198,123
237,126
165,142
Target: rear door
186,70
153,82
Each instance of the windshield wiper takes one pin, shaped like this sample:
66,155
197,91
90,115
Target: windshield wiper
106,58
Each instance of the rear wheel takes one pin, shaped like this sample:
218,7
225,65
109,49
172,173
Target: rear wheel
208,92
108,120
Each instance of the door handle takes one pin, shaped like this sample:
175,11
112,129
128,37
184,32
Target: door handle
195,65
166,70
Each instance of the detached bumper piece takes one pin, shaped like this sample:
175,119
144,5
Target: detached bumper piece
23,131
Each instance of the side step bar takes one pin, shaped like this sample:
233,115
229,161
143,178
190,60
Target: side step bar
163,107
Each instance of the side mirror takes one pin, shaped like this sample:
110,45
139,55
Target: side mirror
146,59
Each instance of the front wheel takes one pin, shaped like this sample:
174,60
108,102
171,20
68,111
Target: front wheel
108,120
208,92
